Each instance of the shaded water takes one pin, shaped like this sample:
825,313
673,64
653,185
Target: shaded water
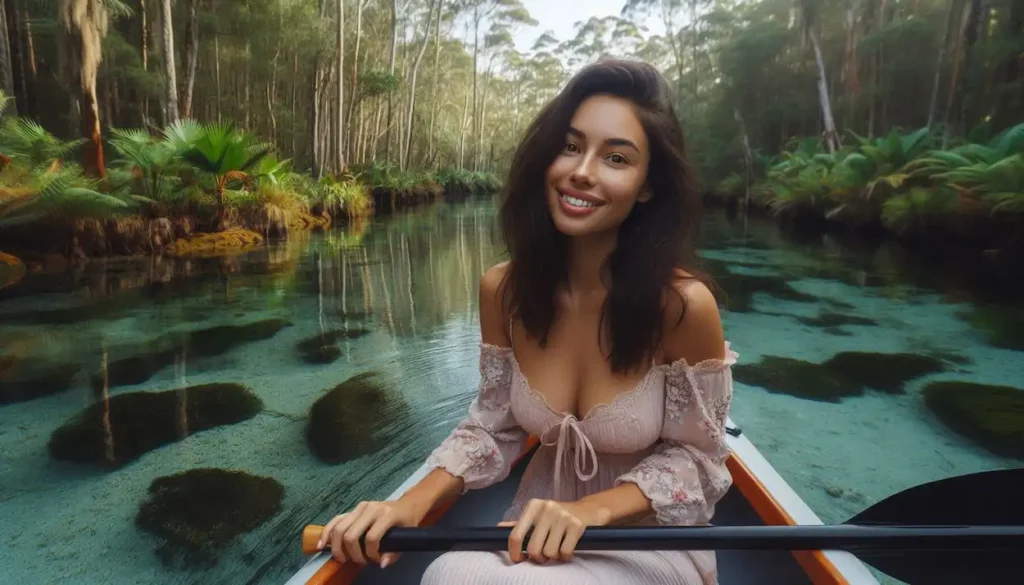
326,367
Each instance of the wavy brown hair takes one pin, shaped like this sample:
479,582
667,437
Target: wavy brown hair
656,238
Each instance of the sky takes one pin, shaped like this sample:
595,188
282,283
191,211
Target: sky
560,16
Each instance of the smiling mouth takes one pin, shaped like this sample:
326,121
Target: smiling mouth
577,201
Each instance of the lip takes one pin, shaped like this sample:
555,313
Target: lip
580,195
572,210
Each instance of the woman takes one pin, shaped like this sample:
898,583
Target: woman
600,338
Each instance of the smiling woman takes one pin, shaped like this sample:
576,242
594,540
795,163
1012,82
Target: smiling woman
599,337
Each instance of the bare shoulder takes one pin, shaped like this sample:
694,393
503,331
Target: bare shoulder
693,324
493,322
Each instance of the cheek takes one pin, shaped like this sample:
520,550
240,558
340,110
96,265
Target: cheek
558,169
624,186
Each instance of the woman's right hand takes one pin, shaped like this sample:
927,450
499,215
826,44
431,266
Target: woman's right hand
372,519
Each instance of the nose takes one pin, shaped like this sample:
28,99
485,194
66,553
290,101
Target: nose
581,174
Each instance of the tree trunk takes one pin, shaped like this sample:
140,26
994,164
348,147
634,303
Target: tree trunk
6,69
170,77
476,50
933,103
340,138
351,137
831,137
216,71
433,95
412,84
191,55
391,70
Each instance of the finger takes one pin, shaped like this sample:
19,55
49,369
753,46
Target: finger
540,534
554,540
355,531
325,532
572,537
515,539
337,547
375,533
506,523
388,559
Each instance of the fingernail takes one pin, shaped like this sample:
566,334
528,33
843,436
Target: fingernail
385,562
319,544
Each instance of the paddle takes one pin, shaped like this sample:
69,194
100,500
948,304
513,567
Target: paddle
963,530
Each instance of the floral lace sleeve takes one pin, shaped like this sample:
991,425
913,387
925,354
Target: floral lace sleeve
484,445
686,475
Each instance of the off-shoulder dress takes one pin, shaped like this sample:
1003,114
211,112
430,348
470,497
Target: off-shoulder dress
667,435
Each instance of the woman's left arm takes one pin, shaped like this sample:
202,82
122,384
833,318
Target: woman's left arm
686,475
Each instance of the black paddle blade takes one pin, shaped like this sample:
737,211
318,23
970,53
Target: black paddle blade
990,498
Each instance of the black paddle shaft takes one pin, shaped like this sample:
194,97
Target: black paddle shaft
838,537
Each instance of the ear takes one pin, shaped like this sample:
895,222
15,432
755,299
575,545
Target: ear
645,195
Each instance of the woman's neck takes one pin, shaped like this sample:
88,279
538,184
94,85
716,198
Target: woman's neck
587,256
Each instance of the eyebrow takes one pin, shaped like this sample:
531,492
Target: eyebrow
611,141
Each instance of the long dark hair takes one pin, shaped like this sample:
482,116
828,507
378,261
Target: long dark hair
656,238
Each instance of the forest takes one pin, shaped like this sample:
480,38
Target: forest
130,125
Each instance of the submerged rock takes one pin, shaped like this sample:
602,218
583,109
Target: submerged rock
124,427
827,319
1003,326
991,416
197,513
23,379
322,348
345,423
797,378
740,290
887,372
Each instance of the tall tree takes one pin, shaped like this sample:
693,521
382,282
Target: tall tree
84,22
170,77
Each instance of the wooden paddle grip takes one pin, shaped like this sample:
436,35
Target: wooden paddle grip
310,536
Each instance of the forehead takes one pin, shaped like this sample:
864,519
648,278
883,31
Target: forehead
601,117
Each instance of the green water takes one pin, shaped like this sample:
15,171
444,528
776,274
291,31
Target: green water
390,308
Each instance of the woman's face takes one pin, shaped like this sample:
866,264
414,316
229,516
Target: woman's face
601,171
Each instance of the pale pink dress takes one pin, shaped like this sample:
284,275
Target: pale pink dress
667,436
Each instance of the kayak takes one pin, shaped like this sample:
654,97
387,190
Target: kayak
759,496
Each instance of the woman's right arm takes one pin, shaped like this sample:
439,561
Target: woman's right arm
478,453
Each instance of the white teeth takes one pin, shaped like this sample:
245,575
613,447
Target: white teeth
578,202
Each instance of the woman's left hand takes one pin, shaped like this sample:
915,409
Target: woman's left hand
557,527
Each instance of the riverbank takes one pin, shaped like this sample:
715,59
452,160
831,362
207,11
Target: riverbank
196,189
910,186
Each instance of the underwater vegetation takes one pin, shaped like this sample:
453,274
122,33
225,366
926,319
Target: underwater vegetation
739,289
991,416
198,512
23,379
140,422
322,348
161,352
844,374
346,422
887,372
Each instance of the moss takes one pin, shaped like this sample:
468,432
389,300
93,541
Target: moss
140,422
201,343
1003,327
797,378
992,416
322,348
740,290
23,379
215,244
887,372
197,513
11,270
345,423
826,318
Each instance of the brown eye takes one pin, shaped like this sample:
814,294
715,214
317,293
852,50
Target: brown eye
570,147
617,159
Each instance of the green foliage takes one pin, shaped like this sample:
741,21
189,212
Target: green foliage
27,142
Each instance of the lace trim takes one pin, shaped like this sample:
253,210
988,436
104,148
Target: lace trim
708,366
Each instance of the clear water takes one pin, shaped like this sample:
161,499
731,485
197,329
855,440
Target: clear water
405,291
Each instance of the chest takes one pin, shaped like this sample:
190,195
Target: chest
572,372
